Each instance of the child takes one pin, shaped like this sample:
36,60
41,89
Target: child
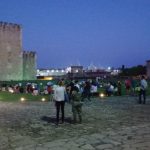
76,105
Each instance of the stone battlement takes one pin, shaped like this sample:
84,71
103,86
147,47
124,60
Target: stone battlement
9,26
29,54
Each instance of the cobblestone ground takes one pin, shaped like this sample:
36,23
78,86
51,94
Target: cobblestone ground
115,123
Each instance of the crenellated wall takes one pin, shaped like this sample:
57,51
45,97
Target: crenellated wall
29,65
12,63
10,51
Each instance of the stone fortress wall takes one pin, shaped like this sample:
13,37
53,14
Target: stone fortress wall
29,64
12,60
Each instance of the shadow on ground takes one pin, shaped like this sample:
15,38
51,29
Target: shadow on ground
53,119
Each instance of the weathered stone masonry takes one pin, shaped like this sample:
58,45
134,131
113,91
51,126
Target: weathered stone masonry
29,63
15,64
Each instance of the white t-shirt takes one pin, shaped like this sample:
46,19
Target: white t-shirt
143,84
93,89
59,93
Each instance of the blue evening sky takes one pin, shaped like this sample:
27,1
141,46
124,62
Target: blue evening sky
69,32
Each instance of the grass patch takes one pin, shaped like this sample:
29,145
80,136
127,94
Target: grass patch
12,97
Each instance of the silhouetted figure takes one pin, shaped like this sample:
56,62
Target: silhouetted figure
86,91
119,88
143,87
128,86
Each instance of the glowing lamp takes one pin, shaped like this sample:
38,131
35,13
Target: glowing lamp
43,99
101,95
109,68
22,99
48,78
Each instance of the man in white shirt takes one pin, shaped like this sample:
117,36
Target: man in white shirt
143,87
59,97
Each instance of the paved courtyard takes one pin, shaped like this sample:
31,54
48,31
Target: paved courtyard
115,123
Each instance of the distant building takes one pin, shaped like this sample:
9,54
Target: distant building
72,72
92,67
97,73
75,69
49,74
15,64
78,72
75,72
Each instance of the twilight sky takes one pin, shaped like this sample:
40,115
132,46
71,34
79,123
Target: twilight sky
69,32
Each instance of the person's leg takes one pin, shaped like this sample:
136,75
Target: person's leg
126,90
57,111
144,96
83,96
140,96
62,110
89,95
74,114
79,111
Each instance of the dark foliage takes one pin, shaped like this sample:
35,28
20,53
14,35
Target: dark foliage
134,71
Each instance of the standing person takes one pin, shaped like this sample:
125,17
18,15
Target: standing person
59,97
76,105
143,87
87,91
69,88
76,83
133,85
128,86
119,88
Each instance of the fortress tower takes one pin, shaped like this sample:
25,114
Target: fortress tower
11,54
29,64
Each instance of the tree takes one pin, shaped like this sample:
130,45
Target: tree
134,71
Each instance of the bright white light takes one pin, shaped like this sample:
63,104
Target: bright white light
109,68
101,95
43,99
52,70
77,71
62,70
47,71
22,99
48,78
68,69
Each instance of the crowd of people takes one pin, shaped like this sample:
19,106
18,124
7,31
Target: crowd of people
76,92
